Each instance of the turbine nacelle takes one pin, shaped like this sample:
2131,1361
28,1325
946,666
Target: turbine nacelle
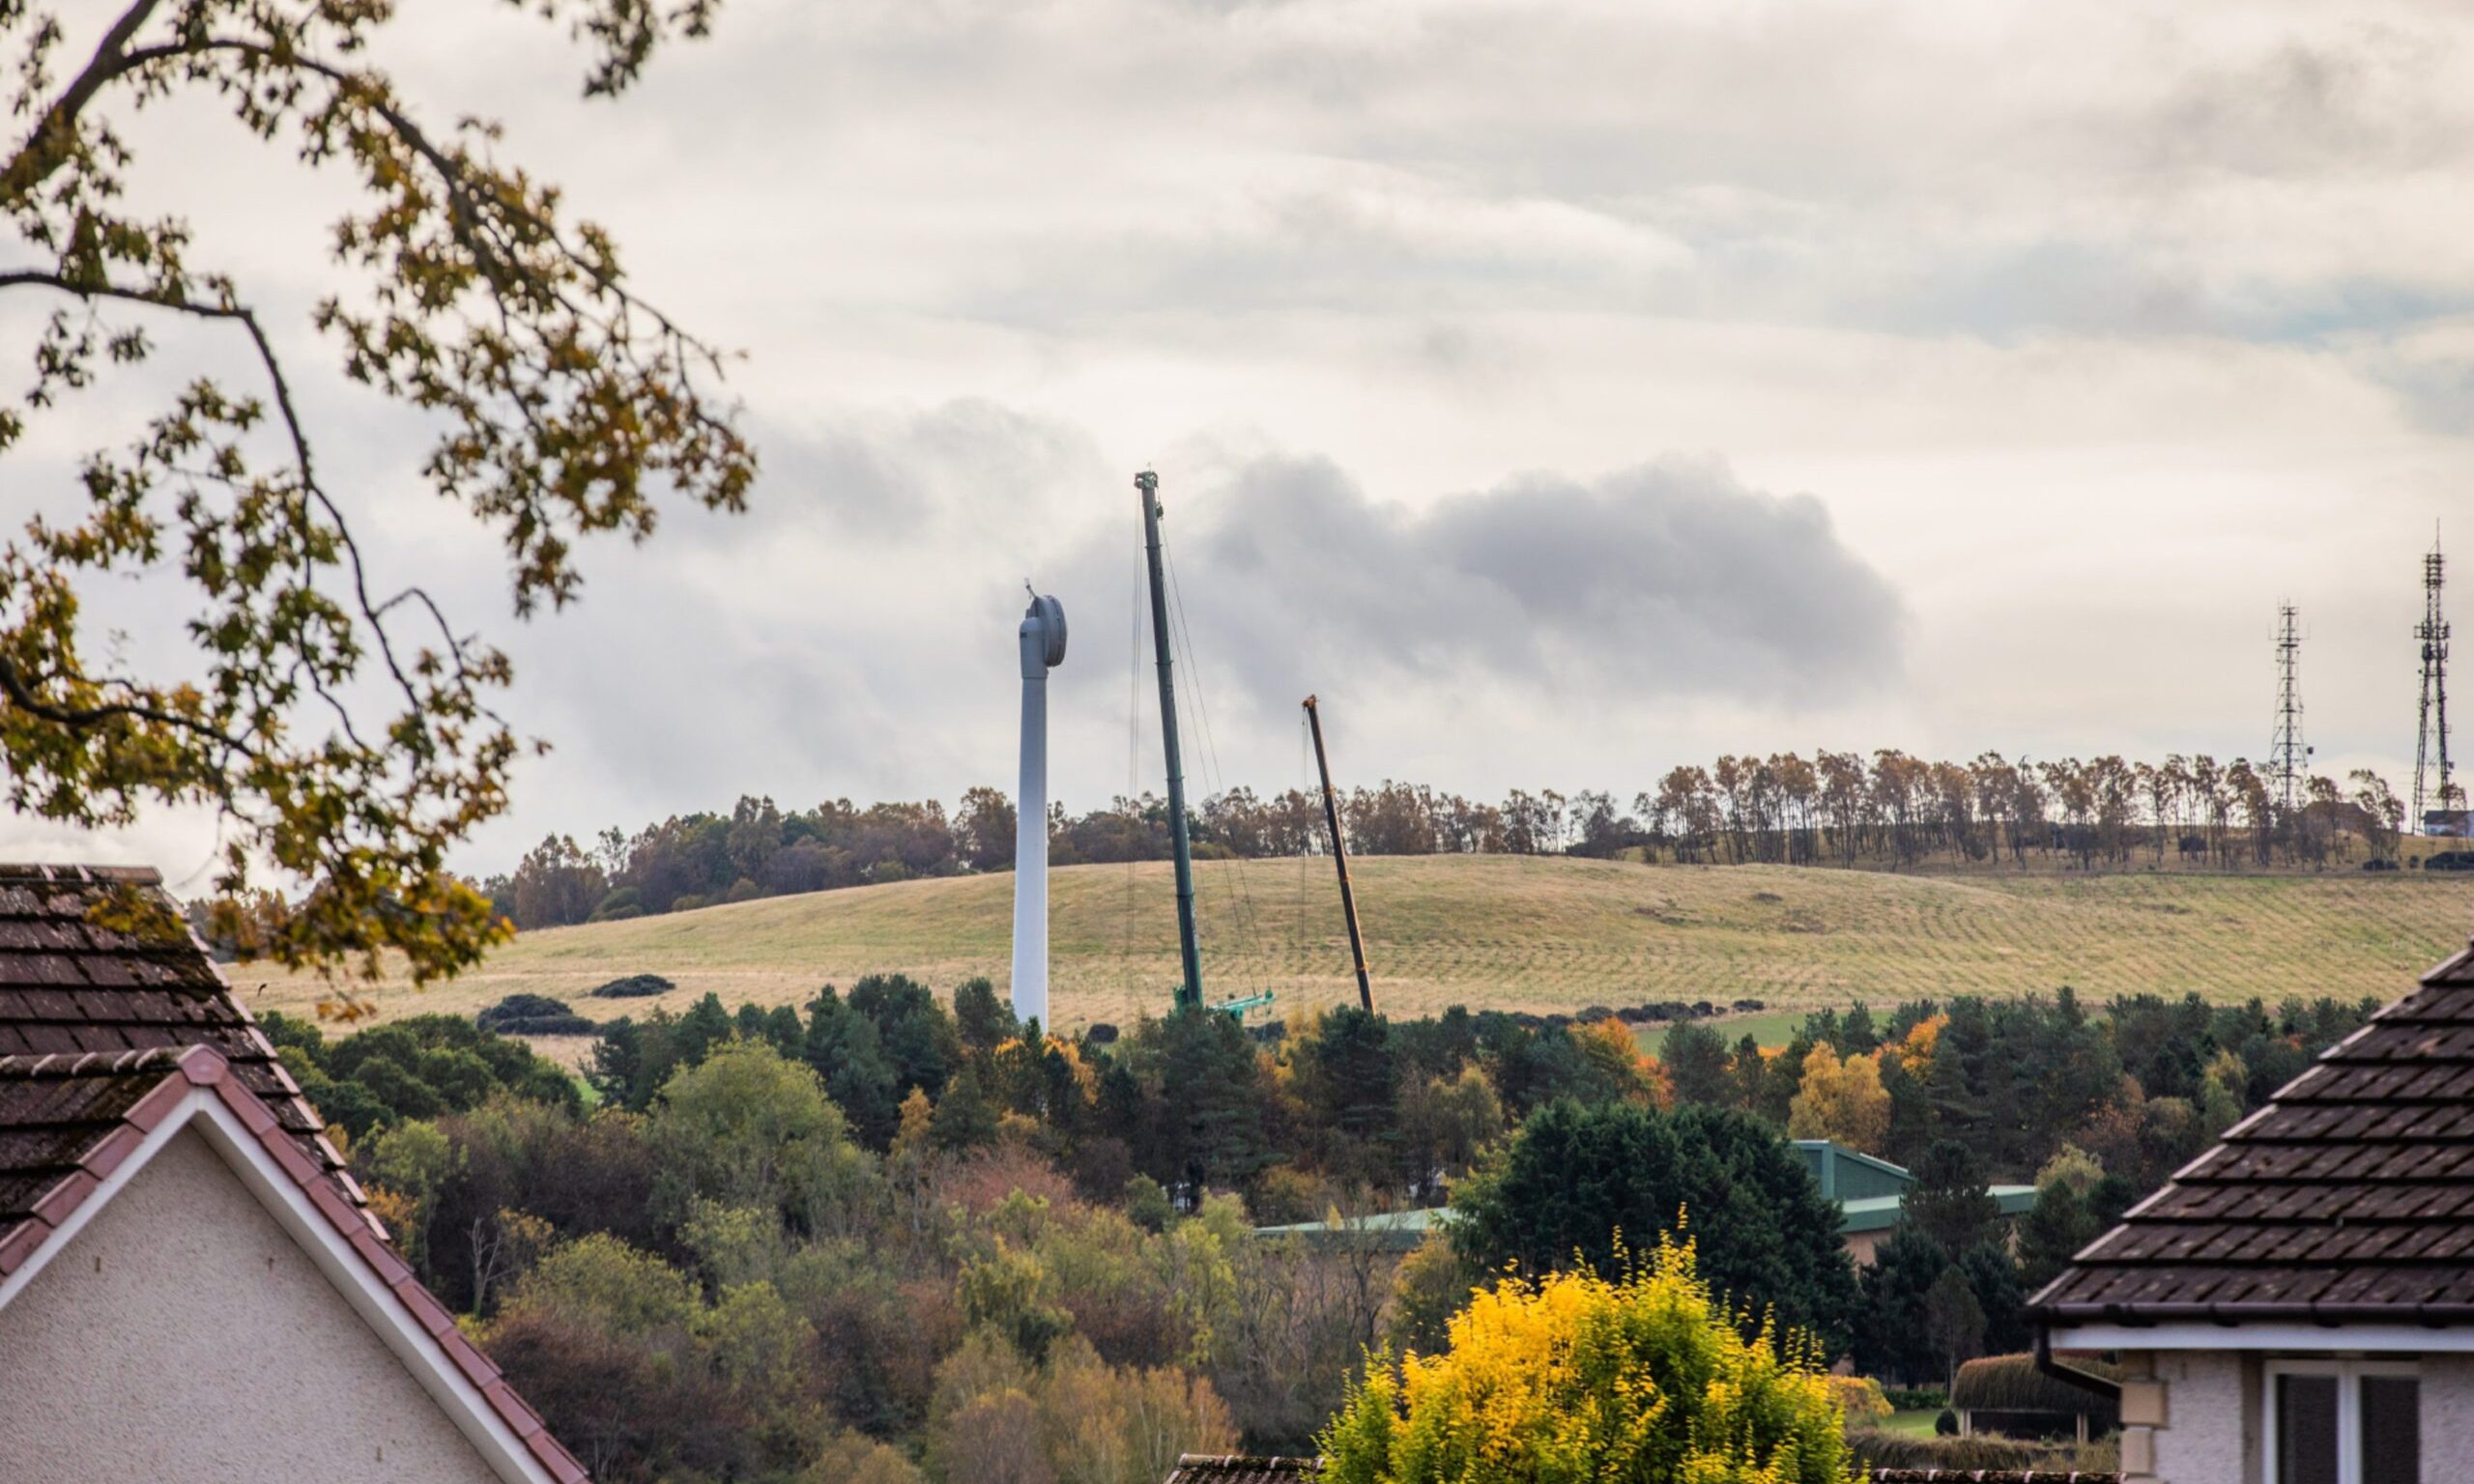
1042,636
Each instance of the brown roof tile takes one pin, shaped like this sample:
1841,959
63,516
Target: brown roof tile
101,1037
2349,1198
1243,1469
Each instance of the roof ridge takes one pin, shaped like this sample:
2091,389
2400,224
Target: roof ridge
72,873
2436,977
87,1064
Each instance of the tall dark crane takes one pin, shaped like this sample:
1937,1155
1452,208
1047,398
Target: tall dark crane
1189,992
1340,858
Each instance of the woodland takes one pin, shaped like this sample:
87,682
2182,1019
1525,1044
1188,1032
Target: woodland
1889,811
894,1236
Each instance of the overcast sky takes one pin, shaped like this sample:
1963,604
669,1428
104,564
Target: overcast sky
1562,391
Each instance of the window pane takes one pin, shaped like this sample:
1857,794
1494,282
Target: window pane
2392,1451
2305,1430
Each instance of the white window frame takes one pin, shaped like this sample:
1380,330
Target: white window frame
2349,1376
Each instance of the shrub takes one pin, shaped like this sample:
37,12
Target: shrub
418,1066
634,987
1861,1397
2012,1384
1881,1450
533,1015
1578,1376
1947,1425
619,905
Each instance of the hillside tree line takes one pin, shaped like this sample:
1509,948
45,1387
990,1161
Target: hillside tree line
1891,811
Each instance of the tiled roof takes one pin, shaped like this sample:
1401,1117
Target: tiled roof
2349,1198
1238,1469
1993,1476
68,986
1242,1469
101,1038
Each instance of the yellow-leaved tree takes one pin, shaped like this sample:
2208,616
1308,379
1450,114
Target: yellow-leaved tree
1577,1379
1841,1101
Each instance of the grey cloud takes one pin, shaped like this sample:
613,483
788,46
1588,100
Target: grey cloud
949,471
2307,106
1672,579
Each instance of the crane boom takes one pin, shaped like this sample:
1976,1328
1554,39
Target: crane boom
1190,991
1340,858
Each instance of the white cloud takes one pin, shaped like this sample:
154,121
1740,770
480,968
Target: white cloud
2095,330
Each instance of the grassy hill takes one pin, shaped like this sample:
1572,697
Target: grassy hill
1516,933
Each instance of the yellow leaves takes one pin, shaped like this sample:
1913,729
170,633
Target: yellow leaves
1581,1377
1860,1398
1916,1052
1842,1101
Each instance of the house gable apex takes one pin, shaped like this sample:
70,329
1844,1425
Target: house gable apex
196,1094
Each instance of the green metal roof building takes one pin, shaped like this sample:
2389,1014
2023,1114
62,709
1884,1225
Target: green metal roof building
1870,1193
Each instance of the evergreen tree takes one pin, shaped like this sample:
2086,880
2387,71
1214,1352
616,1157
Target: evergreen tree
1695,1059
1348,1075
784,1031
1781,1080
1891,1339
2052,1232
1576,1176
1750,1070
1951,1201
919,1037
844,1048
1440,1046
1912,1125
1210,1083
1954,1322
703,1027
966,1117
1994,1279
982,1020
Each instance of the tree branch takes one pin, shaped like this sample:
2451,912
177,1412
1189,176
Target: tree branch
299,438
41,154
12,685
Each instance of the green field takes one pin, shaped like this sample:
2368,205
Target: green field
1516,932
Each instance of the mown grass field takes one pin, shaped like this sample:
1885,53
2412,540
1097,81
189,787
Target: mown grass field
1515,932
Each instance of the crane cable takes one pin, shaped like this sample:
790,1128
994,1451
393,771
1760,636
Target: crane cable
1133,772
1300,957
1233,885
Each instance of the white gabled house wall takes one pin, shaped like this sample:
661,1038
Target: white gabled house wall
2194,1403
93,1370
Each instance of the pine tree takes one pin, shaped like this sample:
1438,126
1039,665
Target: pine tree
983,1021
1695,1059
844,1048
1950,1200
966,1117
2053,1232
1889,1337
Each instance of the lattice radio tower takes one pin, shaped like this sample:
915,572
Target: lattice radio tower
2433,789
2288,759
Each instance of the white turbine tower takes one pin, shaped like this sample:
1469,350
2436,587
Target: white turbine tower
1043,647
